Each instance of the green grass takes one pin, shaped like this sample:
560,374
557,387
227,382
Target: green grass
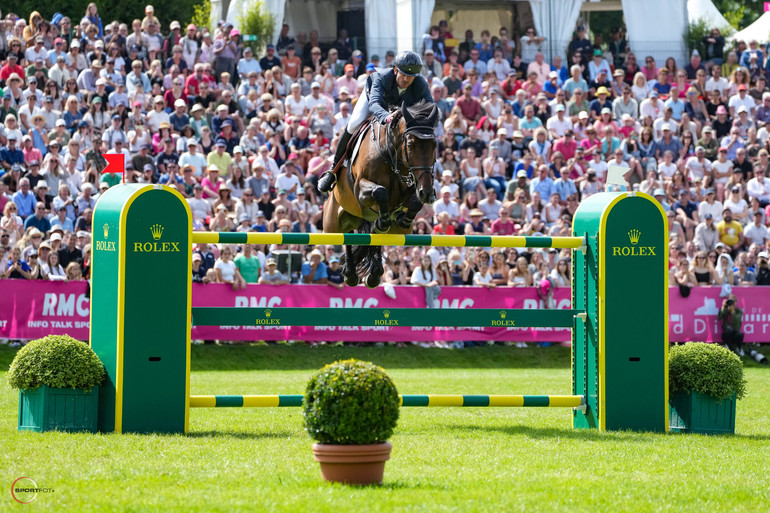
486,460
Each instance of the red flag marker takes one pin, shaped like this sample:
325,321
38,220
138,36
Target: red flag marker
116,163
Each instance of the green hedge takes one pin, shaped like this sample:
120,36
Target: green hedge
351,402
58,361
709,369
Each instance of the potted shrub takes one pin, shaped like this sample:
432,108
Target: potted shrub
58,380
705,380
350,409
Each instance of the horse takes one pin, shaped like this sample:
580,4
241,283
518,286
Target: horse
384,187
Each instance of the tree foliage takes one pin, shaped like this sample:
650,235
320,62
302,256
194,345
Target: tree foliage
740,13
258,21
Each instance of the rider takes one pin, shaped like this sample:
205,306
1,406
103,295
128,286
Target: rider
384,90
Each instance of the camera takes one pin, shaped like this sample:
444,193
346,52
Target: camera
729,302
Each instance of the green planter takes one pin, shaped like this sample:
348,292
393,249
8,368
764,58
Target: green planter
62,409
698,413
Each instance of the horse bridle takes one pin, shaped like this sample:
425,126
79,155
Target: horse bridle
409,179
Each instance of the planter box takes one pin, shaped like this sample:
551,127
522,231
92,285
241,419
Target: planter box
63,409
698,413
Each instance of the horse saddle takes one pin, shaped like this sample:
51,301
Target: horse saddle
344,192
354,145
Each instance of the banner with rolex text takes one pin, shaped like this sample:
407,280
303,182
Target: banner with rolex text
33,309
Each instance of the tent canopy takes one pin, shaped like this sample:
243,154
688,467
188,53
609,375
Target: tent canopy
706,10
400,24
759,30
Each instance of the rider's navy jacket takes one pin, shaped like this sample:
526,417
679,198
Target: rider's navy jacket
383,93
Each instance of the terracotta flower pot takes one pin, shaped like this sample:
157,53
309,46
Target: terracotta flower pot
352,464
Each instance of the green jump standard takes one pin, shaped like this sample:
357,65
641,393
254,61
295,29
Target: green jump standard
141,311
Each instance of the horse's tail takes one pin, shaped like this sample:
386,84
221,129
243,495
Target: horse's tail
365,259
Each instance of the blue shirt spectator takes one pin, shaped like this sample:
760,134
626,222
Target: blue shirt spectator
314,271
542,183
24,199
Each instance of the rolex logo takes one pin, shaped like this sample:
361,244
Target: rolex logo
633,236
268,312
386,314
503,313
157,231
106,230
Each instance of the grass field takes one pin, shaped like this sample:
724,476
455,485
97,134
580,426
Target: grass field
464,460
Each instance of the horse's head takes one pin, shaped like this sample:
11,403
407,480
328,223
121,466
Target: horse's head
419,146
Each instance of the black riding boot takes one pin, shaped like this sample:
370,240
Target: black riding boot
328,179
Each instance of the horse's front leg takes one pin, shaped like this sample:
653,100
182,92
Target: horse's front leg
371,194
413,206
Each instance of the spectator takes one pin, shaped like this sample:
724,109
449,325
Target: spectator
314,270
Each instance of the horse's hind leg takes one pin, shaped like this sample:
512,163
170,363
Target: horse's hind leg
371,194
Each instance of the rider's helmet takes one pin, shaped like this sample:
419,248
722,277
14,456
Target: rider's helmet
408,63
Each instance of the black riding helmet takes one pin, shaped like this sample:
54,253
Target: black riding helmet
408,63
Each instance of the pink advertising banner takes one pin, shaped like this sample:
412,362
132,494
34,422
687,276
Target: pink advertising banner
30,310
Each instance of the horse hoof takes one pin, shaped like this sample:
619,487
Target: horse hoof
352,280
381,227
372,281
404,222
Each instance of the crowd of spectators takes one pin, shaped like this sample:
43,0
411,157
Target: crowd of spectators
522,140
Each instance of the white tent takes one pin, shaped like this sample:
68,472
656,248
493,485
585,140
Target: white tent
706,10
759,30
400,24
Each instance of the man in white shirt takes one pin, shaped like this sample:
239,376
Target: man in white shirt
711,206
759,186
267,162
558,124
490,205
757,233
288,179
36,52
717,82
315,98
651,107
342,117
200,208
742,99
60,73
699,167
448,205
498,65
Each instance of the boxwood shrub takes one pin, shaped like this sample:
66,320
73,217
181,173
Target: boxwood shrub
709,369
58,361
350,402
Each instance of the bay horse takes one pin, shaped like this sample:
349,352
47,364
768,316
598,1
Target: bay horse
386,185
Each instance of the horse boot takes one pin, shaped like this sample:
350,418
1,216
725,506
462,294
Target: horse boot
328,179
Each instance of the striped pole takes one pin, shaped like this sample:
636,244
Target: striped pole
365,239
525,401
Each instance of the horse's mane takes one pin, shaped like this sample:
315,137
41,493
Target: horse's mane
420,111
